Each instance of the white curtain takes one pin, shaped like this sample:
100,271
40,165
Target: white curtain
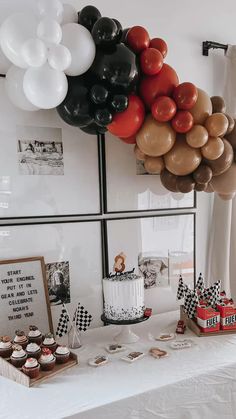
222,241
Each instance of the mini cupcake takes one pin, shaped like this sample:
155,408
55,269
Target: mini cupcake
49,342
47,360
34,335
20,339
62,354
5,347
33,350
31,368
18,356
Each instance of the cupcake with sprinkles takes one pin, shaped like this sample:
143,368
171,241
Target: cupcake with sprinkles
5,347
21,339
34,335
47,360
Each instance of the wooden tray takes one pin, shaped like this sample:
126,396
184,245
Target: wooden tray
192,325
8,370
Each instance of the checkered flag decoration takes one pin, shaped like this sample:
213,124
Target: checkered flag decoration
212,294
62,326
182,288
200,284
82,318
190,303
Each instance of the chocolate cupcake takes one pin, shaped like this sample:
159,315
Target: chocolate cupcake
18,356
33,350
62,354
5,347
49,342
47,360
31,368
34,335
21,339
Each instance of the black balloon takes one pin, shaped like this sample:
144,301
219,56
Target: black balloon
103,117
120,29
124,34
105,32
99,94
93,129
119,103
88,16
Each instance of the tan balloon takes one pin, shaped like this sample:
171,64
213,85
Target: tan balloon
197,136
182,159
213,149
209,189
217,124
155,138
139,154
202,108
224,162
227,197
154,165
226,183
218,104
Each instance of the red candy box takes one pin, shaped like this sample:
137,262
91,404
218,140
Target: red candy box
227,317
208,319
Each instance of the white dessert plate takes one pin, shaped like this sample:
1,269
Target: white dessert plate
113,348
165,336
133,356
98,361
158,353
181,344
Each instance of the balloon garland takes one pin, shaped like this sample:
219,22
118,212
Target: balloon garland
102,77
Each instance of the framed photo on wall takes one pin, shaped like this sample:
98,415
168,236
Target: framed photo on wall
130,189
160,248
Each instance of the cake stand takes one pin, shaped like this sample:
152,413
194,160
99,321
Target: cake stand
126,335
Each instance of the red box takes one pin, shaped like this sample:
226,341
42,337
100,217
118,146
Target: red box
227,317
208,319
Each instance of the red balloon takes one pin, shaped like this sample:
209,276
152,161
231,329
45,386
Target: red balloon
137,38
129,140
185,96
160,45
163,109
162,84
126,124
182,122
151,61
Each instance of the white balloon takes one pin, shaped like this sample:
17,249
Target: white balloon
49,31
70,14
14,89
45,87
81,45
15,30
59,57
34,52
50,8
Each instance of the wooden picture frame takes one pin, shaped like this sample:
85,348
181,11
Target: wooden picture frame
24,295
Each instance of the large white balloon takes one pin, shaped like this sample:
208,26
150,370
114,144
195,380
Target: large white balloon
14,32
49,31
14,89
70,14
45,87
50,8
34,52
59,57
81,46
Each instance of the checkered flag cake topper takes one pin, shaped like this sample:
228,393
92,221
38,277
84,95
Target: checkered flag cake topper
182,288
62,326
212,294
200,284
82,318
190,302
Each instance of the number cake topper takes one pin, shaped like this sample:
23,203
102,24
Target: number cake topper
119,265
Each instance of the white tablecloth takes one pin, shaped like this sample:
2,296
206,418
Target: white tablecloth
199,382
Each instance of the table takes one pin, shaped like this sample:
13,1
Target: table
190,384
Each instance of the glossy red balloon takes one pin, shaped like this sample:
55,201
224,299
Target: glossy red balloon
182,122
126,124
129,140
137,39
162,84
163,109
160,45
185,96
151,61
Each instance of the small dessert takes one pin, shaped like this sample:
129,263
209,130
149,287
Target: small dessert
133,356
31,368
158,353
62,354
5,347
165,336
33,350
21,339
18,356
115,347
34,335
98,361
49,342
181,344
47,360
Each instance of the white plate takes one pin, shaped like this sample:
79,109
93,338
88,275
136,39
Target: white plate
94,361
129,358
165,336
181,344
113,348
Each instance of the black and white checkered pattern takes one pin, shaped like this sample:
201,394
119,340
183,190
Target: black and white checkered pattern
82,318
190,303
212,294
62,326
182,288
200,284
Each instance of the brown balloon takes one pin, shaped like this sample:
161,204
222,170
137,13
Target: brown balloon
185,184
202,174
227,197
209,189
169,181
231,137
226,183
218,104
202,108
154,165
182,159
217,124
139,154
224,162
231,124
201,187
197,136
213,149
155,138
